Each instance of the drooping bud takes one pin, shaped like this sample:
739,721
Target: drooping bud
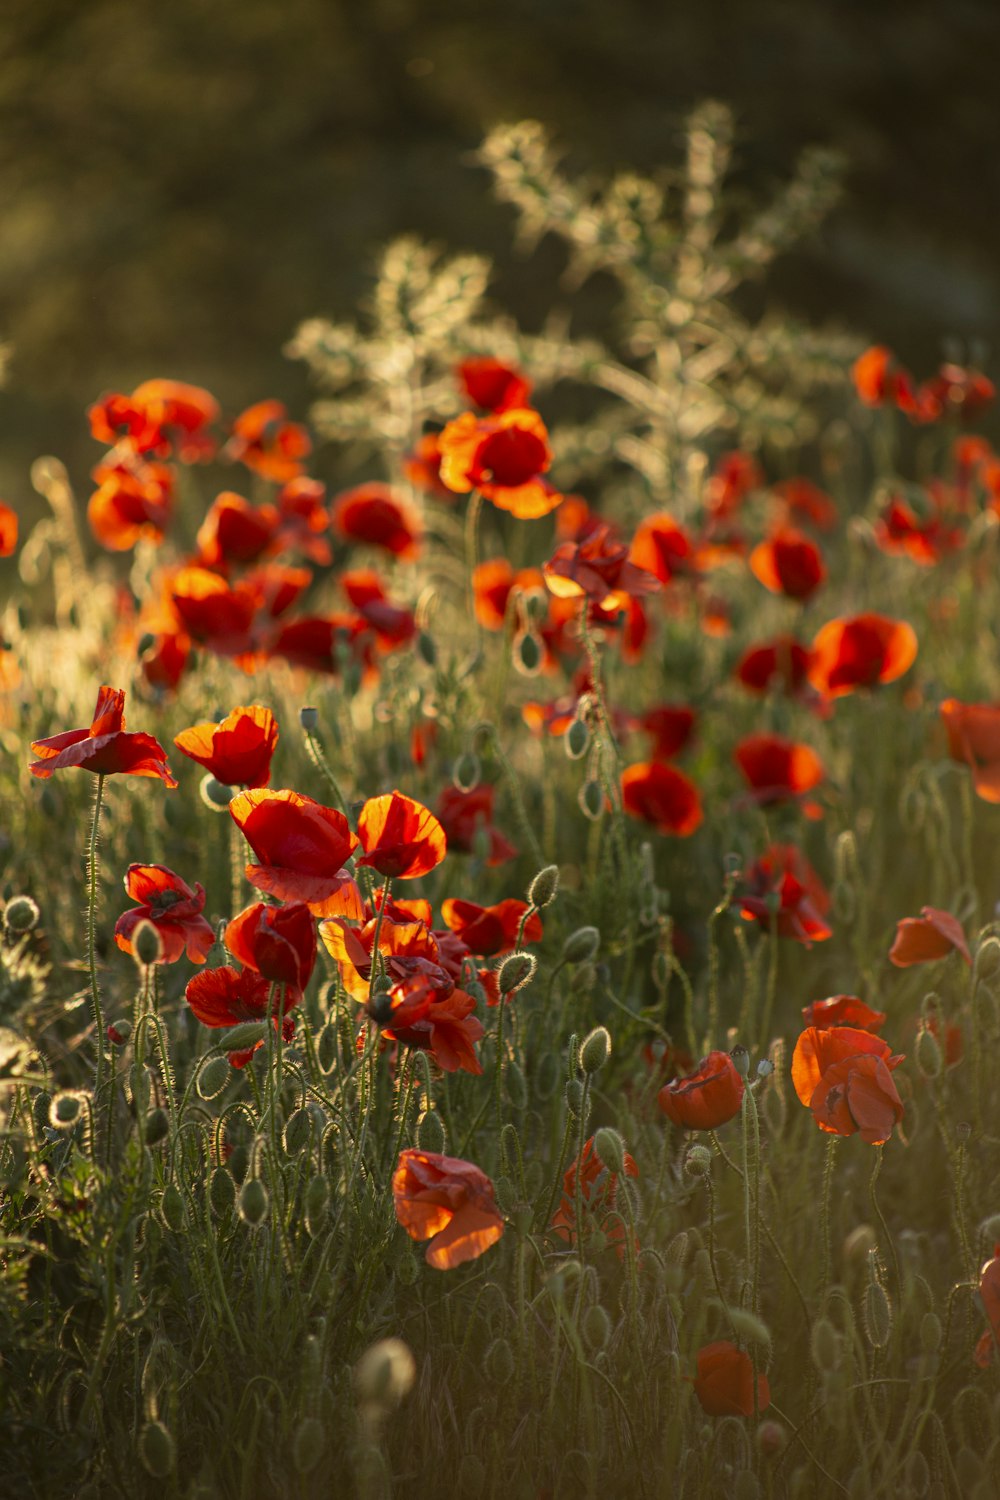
384,1374
595,1050
698,1161
213,1077
609,1148
430,1131
119,1032
591,799
157,1127
254,1202
467,772
157,1450
581,945
516,971
577,739
147,945
543,889
215,794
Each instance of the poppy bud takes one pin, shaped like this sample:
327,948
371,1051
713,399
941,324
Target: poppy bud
595,1050
527,653
609,1148
147,945
157,1450
119,1032
430,1132
222,1192
254,1202
581,945
516,971
467,772
298,1128
876,1309
698,1161
215,794
309,719
20,914
825,1346
577,739
543,889
591,799
64,1110
772,1439
749,1328
172,1209
858,1243
307,1445
426,649
928,1053
765,1068
244,1036
535,605
574,1096
384,1374
596,1328
213,1077
317,1203
157,1127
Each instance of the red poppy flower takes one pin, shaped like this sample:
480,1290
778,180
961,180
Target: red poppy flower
490,384
449,1202
267,443
234,531
303,520
161,417
776,768
843,1075
735,476
8,530
422,467
165,659
662,547
134,501
783,888
706,1098
801,498
277,941
879,380
925,539
315,642
504,457
174,909
488,930
104,748
238,750
372,513
932,935
401,838
467,818
724,1383
788,563
236,620
438,1022
955,391
226,996
408,950
781,662
598,1193
492,584
598,568
973,731
989,1293
671,726
843,1010
301,846
661,795
861,652
391,624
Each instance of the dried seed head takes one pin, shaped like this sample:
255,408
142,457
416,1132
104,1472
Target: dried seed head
309,719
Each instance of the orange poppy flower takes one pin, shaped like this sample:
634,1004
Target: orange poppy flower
449,1202
661,795
439,1022
372,513
662,547
800,497
402,839
857,1096
104,748
598,1192
490,384
776,769
8,530
932,935
422,467
488,930
843,1010
989,1294
735,476
724,1383
467,819
900,531
174,909
392,625
237,750
504,457
133,501
599,569
408,950
236,620
706,1098
165,659
788,563
227,996
973,731
879,379
782,662
783,872
277,941
301,846
303,519
269,444
492,584
234,531
861,652
671,726
161,417
818,1049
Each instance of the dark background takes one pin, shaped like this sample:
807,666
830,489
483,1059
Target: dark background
182,182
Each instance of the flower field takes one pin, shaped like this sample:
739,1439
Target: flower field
500,959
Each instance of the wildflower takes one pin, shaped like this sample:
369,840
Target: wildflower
491,385
226,996
597,1188
671,726
401,838
844,1076
303,519
599,569
234,531
449,1202
800,498
391,624
724,1383
989,1293
735,476
955,391
160,417
925,539
174,909
973,731
493,582
8,530
662,795
504,457
165,659
662,547
467,817
237,750
788,563
276,941
407,949
861,652
438,1021
706,1098
133,501
784,889
422,467
781,662
104,748
777,769
269,444
301,846
934,934
372,513
489,930
843,1010
879,380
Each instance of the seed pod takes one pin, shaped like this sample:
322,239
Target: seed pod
595,1050
308,1445
172,1209
254,1202
581,946
157,1451
157,1126
222,1192
213,1077
543,889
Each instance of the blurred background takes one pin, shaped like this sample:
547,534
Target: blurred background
181,184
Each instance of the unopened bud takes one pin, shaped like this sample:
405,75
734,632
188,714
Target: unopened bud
430,1131
157,1450
581,945
609,1148
147,944
527,653
543,889
298,1128
254,1202
384,1374
20,914
213,1077
172,1208
825,1346
577,739
222,1192
928,1053
64,1110
307,1445
215,794
574,1095
749,1328
595,1050
591,800
596,1328
467,772
772,1438
516,971
157,1127
119,1032
698,1161
426,649
858,1243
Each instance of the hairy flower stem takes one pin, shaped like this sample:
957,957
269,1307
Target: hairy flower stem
824,1213
316,753
95,992
884,1235
472,516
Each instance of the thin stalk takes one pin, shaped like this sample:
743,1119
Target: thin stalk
95,992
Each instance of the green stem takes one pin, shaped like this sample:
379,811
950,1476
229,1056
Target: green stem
880,1217
95,992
